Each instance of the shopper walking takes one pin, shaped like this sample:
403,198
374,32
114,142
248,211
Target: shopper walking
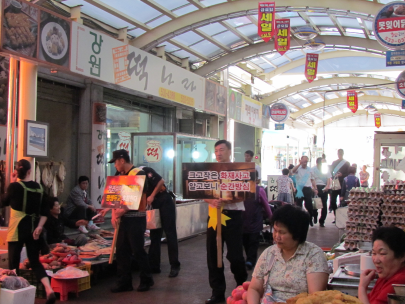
159,197
340,169
364,176
28,211
231,235
248,158
349,182
132,227
305,185
322,181
285,187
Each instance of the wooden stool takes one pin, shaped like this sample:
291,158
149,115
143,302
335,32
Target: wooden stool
64,286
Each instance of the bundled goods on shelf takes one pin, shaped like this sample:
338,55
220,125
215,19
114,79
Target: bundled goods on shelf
393,209
363,215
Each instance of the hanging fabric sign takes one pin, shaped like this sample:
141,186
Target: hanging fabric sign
311,67
352,102
377,120
282,40
265,24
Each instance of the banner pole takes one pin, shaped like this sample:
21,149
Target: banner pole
219,239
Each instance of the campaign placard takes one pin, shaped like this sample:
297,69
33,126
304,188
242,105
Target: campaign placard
123,192
219,180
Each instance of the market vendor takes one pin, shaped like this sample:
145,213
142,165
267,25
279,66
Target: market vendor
292,266
388,256
56,222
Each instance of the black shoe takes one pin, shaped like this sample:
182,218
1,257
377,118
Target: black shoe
145,286
174,272
330,211
321,225
315,220
311,224
122,289
51,299
334,222
249,265
215,299
156,270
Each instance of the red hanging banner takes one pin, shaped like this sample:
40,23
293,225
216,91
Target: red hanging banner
377,120
311,67
265,21
282,40
352,102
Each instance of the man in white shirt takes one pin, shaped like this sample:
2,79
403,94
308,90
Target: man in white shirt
231,235
248,158
305,185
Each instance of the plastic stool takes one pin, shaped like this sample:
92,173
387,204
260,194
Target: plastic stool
64,286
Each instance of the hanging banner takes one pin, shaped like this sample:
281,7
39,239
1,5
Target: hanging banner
389,26
377,120
265,24
352,102
282,40
311,67
400,84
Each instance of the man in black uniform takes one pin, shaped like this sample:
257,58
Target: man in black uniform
340,169
130,239
159,197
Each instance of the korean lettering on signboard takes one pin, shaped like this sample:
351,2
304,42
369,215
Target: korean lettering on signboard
311,67
282,40
377,120
219,180
102,57
400,84
352,102
395,58
265,24
35,33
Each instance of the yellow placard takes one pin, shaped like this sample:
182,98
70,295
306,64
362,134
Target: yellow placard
177,97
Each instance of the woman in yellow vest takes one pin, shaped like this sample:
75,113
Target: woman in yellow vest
28,212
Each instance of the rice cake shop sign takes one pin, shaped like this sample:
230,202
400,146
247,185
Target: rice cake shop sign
279,112
99,56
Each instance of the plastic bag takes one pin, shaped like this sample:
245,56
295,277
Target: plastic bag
70,273
13,283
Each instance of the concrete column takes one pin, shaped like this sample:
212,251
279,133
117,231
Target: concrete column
185,64
214,126
27,107
122,35
160,52
76,15
11,117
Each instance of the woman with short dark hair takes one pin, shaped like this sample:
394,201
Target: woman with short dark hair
388,256
28,211
292,266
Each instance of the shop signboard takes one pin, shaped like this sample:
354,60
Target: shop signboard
395,58
252,112
98,150
279,112
219,180
235,105
97,55
153,152
389,26
35,33
215,98
377,120
265,21
311,67
282,40
279,127
403,104
400,84
123,192
272,191
352,102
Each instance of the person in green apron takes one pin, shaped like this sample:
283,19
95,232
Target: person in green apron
28,212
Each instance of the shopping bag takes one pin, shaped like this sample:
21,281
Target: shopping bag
153,219
336,184
317,202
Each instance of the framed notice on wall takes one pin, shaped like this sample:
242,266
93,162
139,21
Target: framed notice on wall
219,180
36,139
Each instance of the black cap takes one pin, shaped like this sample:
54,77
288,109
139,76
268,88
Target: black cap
117,154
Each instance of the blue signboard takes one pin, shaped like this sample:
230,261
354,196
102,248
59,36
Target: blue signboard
279,126
403,104
395,58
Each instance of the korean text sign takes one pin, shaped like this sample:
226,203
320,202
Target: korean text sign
265,24
352,102
99,56
219,180
311,67
123,192
389,26
282,40
377,120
